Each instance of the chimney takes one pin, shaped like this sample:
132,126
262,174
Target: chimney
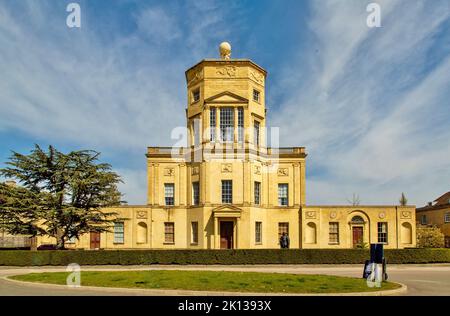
430,203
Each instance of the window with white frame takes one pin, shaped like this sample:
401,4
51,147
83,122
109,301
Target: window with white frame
257,192
212,124
256,95
258,232
256,132
195,193
169,194
240,125
283,194
169,233
383,232
334,233
196,95
447,217
119,232
194,232
227,191
227,124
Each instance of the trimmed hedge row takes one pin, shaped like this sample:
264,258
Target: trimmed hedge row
225,257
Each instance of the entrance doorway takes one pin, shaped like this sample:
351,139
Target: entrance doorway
358,233
226,235
95,240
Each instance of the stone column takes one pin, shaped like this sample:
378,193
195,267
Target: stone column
150,183
216,233
156,199
206,127
238,221
235,132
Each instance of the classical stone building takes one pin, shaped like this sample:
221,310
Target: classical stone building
437,214
228,189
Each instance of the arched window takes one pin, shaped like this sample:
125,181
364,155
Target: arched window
311,233
406,233
357,220
142,233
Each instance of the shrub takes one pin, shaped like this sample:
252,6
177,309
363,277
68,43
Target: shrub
225,257
430,237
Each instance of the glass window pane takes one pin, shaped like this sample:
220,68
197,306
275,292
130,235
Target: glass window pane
240,125
227,124
227,191
169,193
283,194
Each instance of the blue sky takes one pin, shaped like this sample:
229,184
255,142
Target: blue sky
371,105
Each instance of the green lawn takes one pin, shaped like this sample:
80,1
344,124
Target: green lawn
213,281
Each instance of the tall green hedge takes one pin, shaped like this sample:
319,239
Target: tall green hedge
225,257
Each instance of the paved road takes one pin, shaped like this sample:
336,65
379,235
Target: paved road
420,279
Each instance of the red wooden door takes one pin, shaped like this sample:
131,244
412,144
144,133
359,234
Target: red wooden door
357,236
226,235
95,240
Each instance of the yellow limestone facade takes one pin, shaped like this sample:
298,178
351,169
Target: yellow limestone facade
228,189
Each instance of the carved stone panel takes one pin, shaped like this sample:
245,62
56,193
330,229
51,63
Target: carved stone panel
141,214
196,76
195,170
405,214
227,168
226,71
169,172
283,172
310,214
257,169
259,78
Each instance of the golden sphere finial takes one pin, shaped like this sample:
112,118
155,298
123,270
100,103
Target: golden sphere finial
225,50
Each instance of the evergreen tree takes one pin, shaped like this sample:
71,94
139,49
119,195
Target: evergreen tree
60,195
403,200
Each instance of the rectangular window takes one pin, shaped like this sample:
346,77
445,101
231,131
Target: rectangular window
212,124
447,217
283,194
256,133
256,95
227,124
195,193
227,191
258,232
383,233
196,95
194,232
169,193
240,125
283,228
334,233
423,220
257,193
169,233
118,232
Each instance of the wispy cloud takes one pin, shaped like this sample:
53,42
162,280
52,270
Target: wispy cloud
370,107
